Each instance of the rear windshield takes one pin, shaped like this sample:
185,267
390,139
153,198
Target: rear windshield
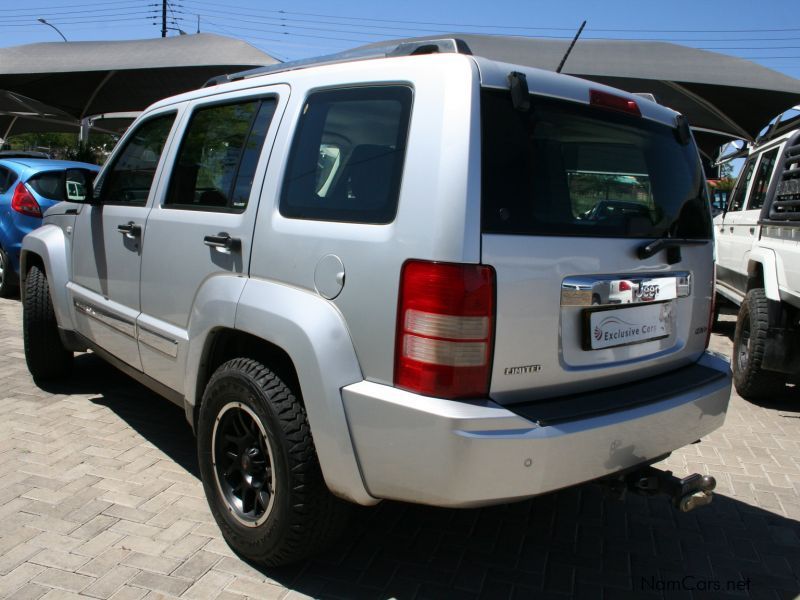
568,169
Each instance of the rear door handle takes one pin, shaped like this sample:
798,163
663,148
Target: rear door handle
130,229
223,242
731,229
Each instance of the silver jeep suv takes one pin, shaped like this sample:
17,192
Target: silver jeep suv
389,278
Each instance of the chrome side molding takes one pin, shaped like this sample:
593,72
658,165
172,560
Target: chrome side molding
165,345
158,342
116,322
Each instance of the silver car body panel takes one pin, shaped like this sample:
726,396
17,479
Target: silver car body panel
375,441
466,454
314,335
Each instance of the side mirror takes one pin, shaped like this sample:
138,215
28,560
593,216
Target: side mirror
78,186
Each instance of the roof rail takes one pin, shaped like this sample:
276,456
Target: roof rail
780,126
440,46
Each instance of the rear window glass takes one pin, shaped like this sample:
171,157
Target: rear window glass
347,156
48,184
573,170
218,156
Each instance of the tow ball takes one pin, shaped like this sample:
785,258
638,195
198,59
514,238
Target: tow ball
686,494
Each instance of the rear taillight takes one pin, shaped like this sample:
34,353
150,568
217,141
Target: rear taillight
445,324
610,101
624,286
23,201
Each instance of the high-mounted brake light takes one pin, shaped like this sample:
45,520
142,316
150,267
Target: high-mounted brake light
612,102
23,201
445,325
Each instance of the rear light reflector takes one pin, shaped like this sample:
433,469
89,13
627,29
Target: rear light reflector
613,102
23,201
445,325
443,352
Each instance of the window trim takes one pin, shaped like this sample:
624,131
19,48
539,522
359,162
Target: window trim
111,165
407,111
260,98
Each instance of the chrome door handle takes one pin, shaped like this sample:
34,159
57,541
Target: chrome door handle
224,242
130,229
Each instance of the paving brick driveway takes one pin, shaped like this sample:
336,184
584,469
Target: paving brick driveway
100,497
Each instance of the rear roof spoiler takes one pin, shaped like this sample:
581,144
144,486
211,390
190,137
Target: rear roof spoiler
440,46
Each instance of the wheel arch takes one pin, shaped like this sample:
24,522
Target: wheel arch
46,247
304,339
762,273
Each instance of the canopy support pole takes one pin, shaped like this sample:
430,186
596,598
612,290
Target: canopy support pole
9,128
96,91
83,132
708,106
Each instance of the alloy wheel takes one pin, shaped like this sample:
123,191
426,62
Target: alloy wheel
243,464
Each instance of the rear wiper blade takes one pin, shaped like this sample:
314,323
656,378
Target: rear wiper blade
650,248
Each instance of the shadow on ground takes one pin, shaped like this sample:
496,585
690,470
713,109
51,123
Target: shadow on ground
575,543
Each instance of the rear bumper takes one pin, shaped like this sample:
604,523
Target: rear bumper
445,453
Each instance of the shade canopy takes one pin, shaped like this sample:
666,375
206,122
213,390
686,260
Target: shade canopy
86,78
716,92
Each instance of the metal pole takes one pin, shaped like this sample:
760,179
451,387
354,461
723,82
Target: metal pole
54,27
163,18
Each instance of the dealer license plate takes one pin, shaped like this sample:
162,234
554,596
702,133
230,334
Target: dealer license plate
607,328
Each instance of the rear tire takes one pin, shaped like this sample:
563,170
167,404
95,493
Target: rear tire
749,345
8,281
45,355
259,467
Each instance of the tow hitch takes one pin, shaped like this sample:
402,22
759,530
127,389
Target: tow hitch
686,494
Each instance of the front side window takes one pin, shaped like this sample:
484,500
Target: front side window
346,160
563,168
759,190
217,159
737,198
129,178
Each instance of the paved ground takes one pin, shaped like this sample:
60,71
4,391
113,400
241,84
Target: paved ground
100,497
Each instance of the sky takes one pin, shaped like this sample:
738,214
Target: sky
766,32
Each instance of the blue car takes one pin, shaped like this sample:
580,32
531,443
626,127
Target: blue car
28,187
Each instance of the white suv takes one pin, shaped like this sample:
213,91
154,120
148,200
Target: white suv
758,263
374,279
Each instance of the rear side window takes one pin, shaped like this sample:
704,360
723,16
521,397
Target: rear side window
48,184
567,169
347,156
759,191
7,179
218,156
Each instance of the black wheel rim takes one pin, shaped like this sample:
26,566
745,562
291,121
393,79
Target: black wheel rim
743,350
243,465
